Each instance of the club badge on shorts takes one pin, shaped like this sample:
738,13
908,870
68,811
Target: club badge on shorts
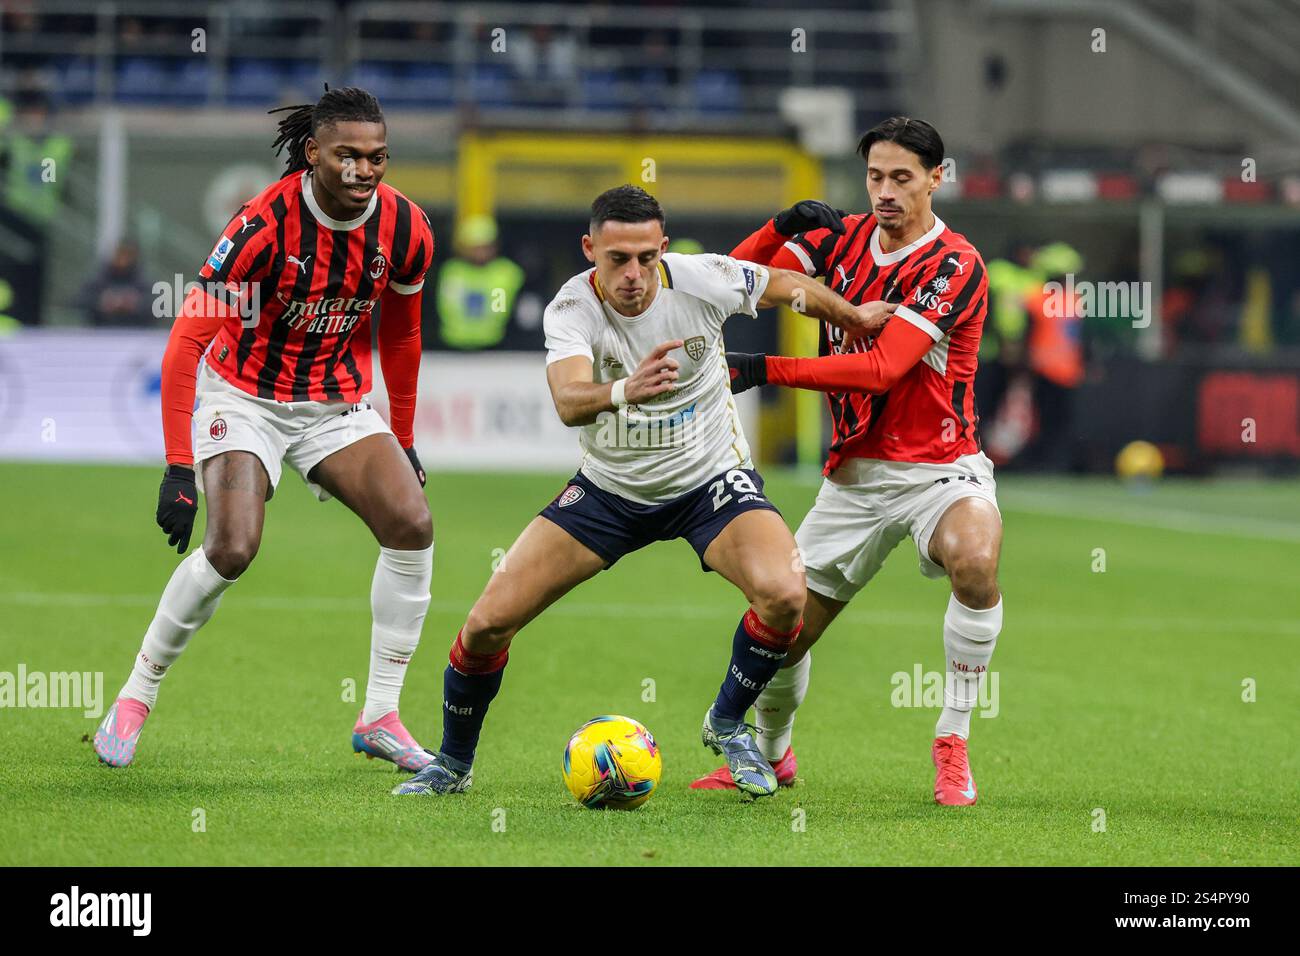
217,429
569,496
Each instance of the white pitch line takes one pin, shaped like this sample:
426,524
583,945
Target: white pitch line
1041,622
1165,519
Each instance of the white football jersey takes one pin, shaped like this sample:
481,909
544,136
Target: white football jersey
654,452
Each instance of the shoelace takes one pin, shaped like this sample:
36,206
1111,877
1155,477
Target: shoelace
952,770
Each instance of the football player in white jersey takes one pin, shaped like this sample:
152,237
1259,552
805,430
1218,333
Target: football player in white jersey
636,361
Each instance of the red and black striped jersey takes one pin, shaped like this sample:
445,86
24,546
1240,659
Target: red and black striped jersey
940,286
317,282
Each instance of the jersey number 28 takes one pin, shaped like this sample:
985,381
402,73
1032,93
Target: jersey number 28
740,483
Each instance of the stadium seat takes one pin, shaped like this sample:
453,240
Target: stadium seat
382,79
74,80
304,79
490,85
141,80
407,84
652,90
257,82
431,85
717,91
601,90
191,82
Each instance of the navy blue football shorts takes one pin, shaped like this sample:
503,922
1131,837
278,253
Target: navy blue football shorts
613,526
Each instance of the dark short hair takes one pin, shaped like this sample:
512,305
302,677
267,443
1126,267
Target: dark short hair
914,135
625,203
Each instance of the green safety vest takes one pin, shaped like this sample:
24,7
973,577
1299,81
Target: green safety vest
466,296
26,188
1009,284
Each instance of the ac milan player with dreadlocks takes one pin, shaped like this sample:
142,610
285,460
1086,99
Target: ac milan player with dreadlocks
905,458
317,253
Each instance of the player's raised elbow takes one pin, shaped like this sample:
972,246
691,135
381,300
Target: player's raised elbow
570,420
887,379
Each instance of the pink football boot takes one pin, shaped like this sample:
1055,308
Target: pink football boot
387,739
118,732
720,779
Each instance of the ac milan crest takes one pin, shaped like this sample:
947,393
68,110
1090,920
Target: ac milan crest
217,429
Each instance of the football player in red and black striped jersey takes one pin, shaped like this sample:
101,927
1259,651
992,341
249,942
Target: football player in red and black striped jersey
905,457
275,343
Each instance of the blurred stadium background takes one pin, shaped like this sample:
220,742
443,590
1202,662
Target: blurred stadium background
1143,153
1149,151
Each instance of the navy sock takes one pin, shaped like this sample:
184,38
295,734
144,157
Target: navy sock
469,684
756,655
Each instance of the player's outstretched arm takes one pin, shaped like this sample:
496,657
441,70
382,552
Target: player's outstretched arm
810,297
579,400
899,347
399,357
200,320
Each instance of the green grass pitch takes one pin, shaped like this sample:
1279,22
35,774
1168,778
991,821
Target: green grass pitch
1120,692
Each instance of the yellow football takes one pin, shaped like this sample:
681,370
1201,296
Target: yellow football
1139,460
612,762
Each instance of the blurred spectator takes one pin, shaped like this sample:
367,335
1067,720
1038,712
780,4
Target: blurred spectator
118,295
686,246
34,159
19,25
1185,285
1055,357
477,288
1255,334
1002,345
543,56
8,324
544,64
33,169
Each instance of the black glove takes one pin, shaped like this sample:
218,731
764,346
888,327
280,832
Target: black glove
746,370
415,463
809,214
177,505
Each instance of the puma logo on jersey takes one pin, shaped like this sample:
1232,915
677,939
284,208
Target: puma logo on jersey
845,277
246,224
961,267
300,263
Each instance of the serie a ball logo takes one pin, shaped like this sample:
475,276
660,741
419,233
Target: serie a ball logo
612,762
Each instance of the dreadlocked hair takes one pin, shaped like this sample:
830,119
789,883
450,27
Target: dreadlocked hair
350,103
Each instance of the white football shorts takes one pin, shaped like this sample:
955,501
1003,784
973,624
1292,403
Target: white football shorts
305,433
867,506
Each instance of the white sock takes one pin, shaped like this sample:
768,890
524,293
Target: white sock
969,637
775,707
399,598
190,598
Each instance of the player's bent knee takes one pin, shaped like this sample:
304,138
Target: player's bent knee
780,603
231,557
975,579
487,632
412,531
